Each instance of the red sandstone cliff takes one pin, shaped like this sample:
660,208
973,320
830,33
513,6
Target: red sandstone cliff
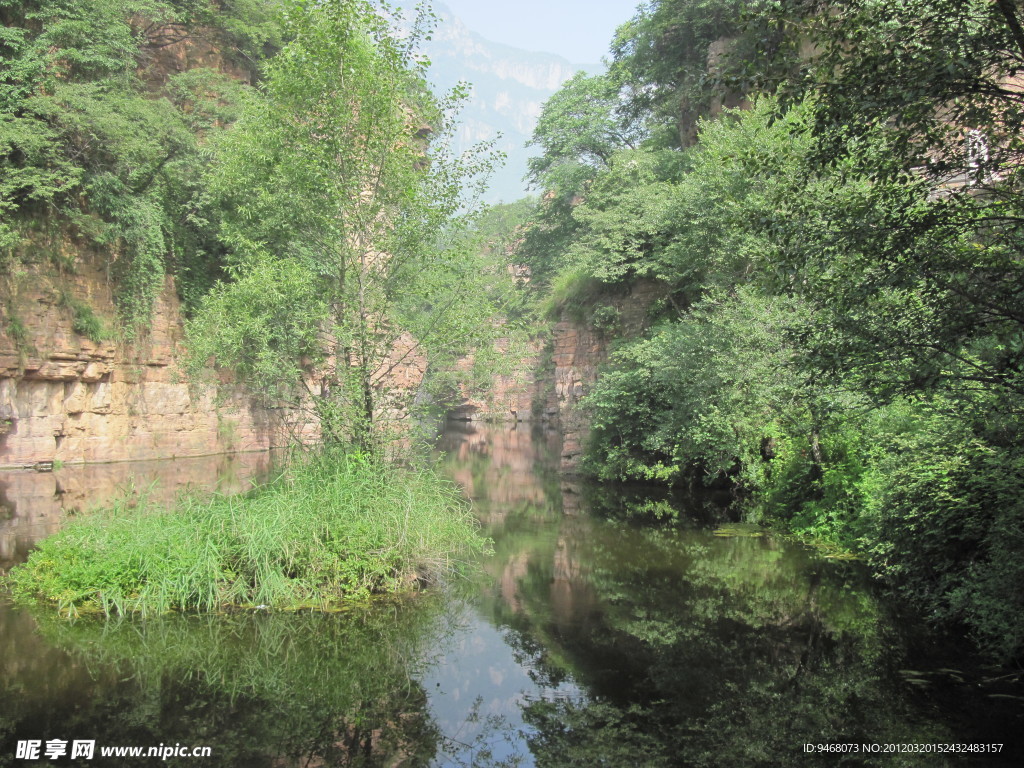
579,352
554,377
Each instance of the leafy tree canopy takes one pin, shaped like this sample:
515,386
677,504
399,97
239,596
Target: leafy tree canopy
327,180
86,142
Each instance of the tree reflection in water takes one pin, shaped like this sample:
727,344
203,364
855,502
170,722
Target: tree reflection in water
718,652
608,629
691,648
260,689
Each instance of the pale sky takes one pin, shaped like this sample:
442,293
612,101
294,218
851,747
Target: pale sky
579,30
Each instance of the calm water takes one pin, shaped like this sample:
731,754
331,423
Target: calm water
588,639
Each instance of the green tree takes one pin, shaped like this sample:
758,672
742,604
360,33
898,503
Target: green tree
841,333
927,71
626,216
346,228
920,270
578,132
660,62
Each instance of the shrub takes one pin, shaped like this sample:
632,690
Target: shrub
947,531
87,323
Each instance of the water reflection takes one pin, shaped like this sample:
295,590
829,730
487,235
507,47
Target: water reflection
260,690
716,652
688,648
607,629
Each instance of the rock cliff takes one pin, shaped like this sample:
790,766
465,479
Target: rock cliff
66,398
579,350
551,381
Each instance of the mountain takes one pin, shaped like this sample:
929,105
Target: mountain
509,88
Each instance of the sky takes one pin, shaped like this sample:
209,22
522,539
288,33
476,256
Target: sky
579,30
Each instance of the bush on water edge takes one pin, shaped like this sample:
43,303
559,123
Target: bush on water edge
333,526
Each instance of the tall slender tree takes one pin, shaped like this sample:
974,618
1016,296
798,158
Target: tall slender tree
345,220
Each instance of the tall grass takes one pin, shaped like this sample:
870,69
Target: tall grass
573,290
332,527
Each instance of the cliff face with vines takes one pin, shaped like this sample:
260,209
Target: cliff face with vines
71,389
82,380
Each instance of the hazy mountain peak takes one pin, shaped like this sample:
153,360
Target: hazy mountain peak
535,69
509,88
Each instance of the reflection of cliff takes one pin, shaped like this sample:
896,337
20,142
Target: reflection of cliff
497,466
33,504
570,593
690,648
33,669
682,636
547,583
511,474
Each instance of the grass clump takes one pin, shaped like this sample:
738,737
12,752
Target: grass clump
574,291
332,527
86,323
83,320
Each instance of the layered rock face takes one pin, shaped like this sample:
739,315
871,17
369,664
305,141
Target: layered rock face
65,398
521,396
579,351
553,378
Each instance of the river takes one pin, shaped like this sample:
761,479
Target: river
618,628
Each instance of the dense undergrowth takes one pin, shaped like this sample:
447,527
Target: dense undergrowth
335,526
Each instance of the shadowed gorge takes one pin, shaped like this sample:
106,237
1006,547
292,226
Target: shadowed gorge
707,453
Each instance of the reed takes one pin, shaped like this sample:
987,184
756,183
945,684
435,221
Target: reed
332,527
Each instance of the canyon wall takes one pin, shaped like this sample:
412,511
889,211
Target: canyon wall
559,371
67,398
579,350
523,395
